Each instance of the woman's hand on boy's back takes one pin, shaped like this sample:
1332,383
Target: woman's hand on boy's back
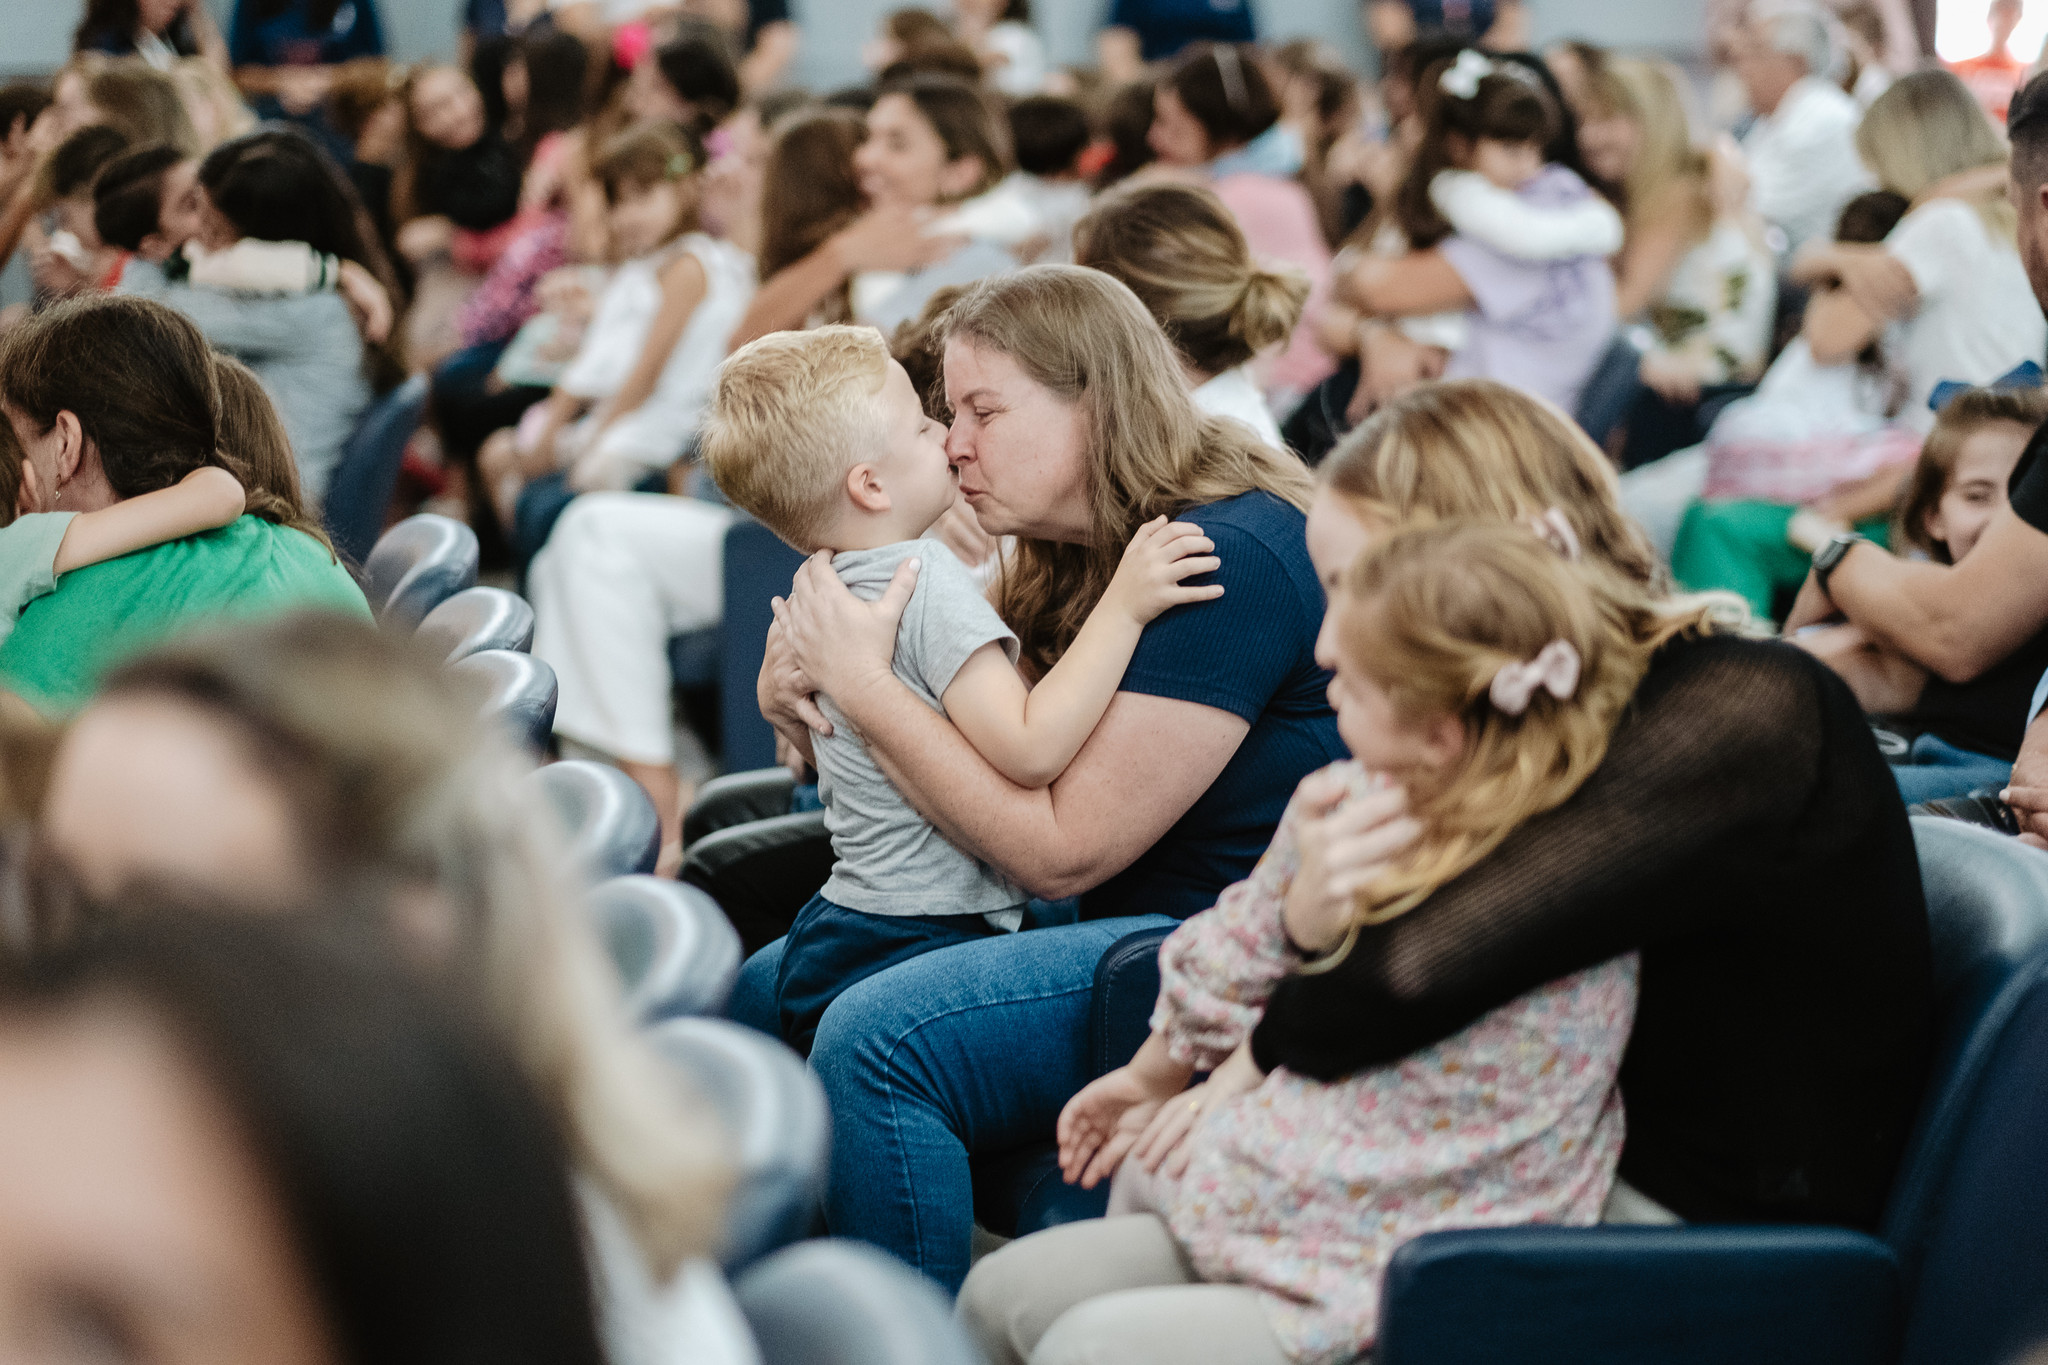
837,642
1156,564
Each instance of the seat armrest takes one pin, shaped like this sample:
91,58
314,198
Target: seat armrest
1611,1295
761,873
736,799
1126,988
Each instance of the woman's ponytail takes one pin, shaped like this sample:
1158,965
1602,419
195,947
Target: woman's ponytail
1269,308
1183,255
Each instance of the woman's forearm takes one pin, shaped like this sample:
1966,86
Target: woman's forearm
1110,805
790,296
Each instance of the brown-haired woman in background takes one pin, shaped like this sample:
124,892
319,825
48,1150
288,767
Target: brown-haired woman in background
1215,115
931,142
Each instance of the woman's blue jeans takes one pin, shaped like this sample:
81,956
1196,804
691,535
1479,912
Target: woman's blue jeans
971,1048
1935,770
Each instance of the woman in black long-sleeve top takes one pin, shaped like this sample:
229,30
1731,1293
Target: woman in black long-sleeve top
1742,834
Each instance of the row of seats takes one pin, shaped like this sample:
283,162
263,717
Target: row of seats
807,1300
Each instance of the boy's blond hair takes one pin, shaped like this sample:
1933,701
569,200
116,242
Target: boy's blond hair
790,413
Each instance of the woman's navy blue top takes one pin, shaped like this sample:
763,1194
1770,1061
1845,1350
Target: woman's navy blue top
1250,652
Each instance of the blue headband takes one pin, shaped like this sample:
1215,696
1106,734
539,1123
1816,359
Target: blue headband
2025,375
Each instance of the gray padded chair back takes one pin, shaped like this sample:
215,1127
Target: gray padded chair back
774,1111
676,952
608,817
847,1303
417,565
519,693
477,619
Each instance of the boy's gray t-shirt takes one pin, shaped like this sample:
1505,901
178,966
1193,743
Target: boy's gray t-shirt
889,859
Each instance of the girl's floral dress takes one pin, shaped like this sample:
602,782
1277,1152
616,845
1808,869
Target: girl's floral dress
1302,1189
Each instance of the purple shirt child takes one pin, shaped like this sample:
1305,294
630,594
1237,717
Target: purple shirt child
1539,326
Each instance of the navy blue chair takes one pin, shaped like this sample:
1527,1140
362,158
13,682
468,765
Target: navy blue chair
736,799
774,1112
1959,1275
360,490
728,656
477,619
847,1303
1020,1190
416,566
519,693
610,820
675,952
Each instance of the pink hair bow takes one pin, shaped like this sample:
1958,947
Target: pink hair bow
1555,669
1556,531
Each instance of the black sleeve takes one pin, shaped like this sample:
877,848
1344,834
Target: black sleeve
1718,755
2028,488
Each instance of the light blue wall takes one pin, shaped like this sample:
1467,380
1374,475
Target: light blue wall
35,34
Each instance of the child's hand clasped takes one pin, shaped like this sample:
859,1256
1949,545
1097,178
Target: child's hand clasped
1161,556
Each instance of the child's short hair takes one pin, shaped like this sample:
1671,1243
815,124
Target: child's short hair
652,154
1960,418
127,197
1871,216
79,158
790,413
1049,132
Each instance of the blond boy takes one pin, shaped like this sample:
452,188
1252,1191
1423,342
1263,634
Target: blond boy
820,435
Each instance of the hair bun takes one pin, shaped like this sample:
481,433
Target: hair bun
1270,305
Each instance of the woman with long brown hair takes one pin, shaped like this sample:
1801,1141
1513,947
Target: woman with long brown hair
111,397
1072,427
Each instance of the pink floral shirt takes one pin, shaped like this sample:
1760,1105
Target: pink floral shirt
1303,1189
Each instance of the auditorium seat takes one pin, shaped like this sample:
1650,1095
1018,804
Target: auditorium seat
847,1303
762,872
1959,1275
610,820
477,619
359,492
417,565
775,1113
520,693
675,951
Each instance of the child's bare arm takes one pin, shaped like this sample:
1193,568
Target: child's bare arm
203,500
1030,735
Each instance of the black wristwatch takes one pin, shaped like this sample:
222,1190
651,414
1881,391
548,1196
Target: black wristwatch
1830,554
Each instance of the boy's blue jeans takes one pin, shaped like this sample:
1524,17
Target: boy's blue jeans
830,947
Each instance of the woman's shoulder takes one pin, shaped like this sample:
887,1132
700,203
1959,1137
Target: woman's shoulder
1258,515
1740,685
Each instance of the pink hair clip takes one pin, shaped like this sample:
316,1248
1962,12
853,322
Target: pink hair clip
1555,669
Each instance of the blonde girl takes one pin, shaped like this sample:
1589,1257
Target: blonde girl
1479,673
628,404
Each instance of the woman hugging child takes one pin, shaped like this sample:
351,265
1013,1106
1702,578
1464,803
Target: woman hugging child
1493,261
1479,673
1969,733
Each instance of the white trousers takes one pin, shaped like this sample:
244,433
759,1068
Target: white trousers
1657,494
621,574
